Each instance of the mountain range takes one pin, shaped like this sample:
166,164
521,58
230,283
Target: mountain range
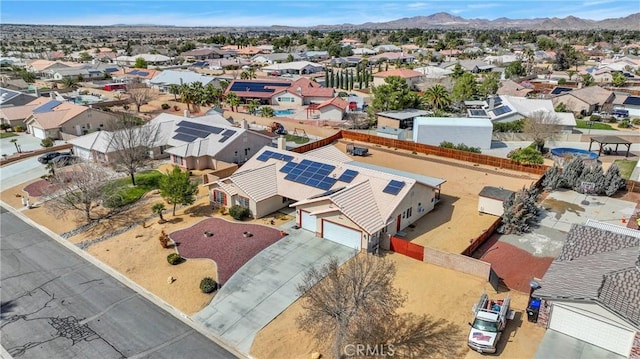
444,20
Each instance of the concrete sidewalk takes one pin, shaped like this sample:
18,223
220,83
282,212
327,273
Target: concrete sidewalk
266,285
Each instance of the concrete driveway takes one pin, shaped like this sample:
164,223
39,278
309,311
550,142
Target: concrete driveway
560,346
266,285
565,207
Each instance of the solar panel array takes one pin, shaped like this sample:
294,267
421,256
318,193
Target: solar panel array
240,86
310,173
47,107
476,112
228,133
393,187
201,127
348,176
184,137
139,73
264,156
497,101
501,110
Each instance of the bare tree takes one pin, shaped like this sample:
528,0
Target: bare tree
541,125
130,144
80,190
140,94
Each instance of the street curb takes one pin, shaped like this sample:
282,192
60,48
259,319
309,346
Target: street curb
161,303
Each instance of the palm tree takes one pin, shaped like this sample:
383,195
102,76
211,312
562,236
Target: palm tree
252,73
158,209
244,75
266,111
233,100
174,89
70,82
437,97
186,95
15,143
252,106
571,73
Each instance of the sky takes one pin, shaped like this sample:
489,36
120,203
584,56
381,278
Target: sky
293,13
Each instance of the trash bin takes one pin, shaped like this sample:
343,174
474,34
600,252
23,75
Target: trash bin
533,310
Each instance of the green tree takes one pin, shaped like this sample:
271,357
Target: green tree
141,63
252,106
588,80
465,88
158,209
177,188
394,94
527,156
520,211
571,73
618,79
174,89
233,101
490,84
458,71
514,69
70,82
266,111
437,97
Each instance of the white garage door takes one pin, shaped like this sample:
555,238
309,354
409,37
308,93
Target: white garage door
340,234
608,336
82,153
308,221
38,132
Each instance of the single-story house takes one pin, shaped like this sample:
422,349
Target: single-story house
630,104
512,88
166,78
331,110
410,76
491,200
402,119
392,57
15,115
585,100
14,98
511,108
64,120
345,201
274,58
151,59
204,54
591,291
295,67
473,132
473,66
302,92
84,73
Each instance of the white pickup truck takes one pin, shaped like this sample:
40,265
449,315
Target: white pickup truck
490,319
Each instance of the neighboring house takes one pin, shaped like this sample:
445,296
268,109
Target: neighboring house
16,114
330,110
262,90
14,84
585,100
151,59
64,120
410,76
402,119
295,67
363,51
354,204
512,88
133,75
204,54
473,66
14,98
387,48
303,92
274,58
39,66
630,104
473,132
591,290
433,72
78,73
392,57
166,78
510,108
315,55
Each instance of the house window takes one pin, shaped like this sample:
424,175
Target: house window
243,202
409,212
219,197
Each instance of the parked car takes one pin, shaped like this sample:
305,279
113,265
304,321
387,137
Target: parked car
64,160
47,157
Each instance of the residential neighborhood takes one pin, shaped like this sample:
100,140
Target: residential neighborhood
324,191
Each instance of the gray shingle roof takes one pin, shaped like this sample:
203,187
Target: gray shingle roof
597,266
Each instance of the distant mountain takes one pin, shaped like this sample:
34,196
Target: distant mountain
443,20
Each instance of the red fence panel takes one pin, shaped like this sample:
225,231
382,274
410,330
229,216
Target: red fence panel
407,248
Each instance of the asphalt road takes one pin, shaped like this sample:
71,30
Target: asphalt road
55,304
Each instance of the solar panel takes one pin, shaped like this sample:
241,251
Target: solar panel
263,157
288,167
348,176
223,138
229,133
497,100
393,187
475,112
201,127
309,173
192,132
47,107
184,137
501,110
240,86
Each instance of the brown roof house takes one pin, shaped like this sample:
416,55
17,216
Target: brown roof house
14,115
585,100
591,292
412,77
65,120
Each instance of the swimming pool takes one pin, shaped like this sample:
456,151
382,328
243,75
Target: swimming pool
563,155
287,112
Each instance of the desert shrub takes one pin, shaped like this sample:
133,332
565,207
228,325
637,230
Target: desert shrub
239,213
562,81
624,124
106,109
612,119
47,142
579,116
520,211
164,240
460,147
18,129
165,106
223,210
514,126
595,118
174,258
4,126
636,121
528,155
208,285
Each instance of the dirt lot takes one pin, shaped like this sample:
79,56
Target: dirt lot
455,220
423,285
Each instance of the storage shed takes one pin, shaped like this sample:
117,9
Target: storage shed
473,132
390,132
491,199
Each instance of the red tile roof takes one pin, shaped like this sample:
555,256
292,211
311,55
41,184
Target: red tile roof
336,101
404,73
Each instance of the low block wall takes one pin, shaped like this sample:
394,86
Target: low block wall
458,262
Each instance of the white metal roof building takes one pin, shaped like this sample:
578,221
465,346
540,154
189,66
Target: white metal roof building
473,132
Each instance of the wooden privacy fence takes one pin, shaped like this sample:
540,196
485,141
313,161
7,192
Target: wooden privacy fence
445,152
407,248
317,144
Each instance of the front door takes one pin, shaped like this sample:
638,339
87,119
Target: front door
398,223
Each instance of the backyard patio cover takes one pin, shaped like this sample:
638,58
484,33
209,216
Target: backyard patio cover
610,140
